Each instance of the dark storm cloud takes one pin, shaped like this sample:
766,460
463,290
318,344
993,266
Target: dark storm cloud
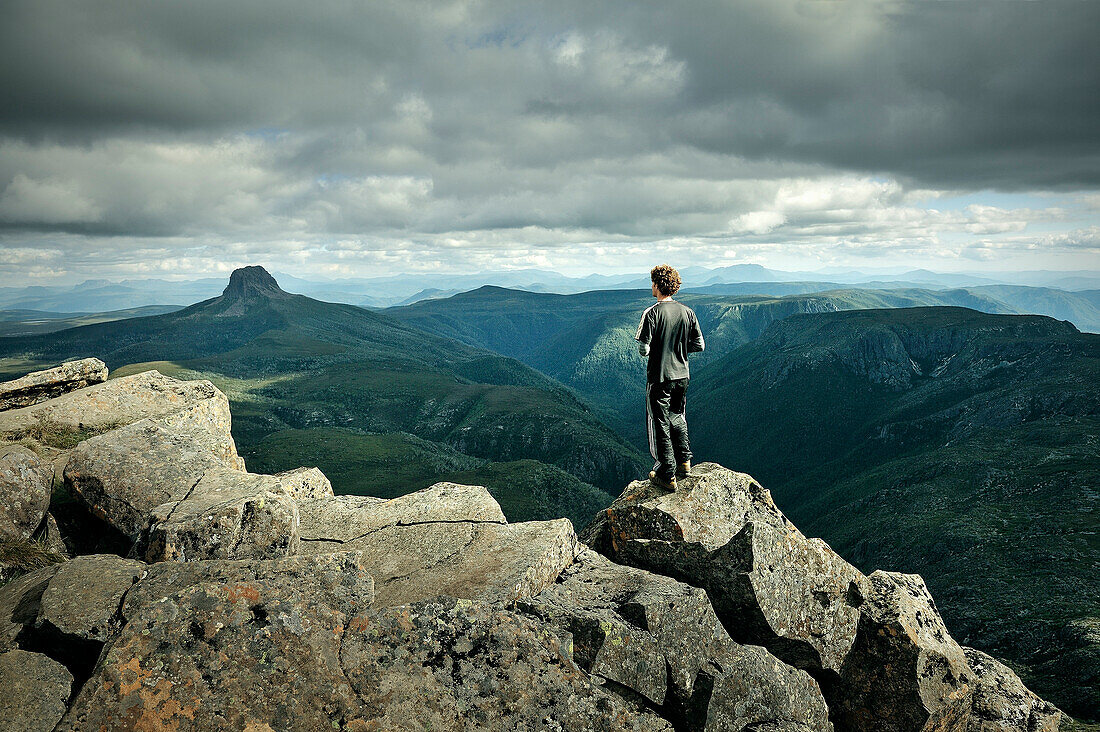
352,129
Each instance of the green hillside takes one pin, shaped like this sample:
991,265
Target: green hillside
586,341
955,444
288,362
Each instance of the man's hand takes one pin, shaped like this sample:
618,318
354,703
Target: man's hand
643,349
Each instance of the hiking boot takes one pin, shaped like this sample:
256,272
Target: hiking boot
668,485
683,469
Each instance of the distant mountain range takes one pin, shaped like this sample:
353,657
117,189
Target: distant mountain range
104,295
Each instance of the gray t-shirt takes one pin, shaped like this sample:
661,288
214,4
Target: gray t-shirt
672,332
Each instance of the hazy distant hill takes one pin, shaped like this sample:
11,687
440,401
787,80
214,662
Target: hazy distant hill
292,363
956,444
31,322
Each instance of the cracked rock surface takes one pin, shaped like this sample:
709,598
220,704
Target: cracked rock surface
25,482
36,691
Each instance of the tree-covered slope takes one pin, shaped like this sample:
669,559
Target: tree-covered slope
959,445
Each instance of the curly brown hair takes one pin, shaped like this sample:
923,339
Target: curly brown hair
666,278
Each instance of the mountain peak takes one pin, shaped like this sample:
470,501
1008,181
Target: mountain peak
252,282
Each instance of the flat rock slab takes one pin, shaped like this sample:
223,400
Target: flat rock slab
905,671
769,584
25,482
126,473
82,599
42,385
346,518
20,600
413,557
456,665
113,403
227,514
661,639
249,646
36,692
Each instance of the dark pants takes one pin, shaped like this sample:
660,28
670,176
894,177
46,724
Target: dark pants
666,403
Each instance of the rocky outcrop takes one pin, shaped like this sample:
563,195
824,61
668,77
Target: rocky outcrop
124,474
657,640
25,483
36,692
42,385
113,403
265,602
770,585
227,514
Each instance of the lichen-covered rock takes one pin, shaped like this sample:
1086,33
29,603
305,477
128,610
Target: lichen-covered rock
455,665
36,689
19,603
343,519
769,584
24,491
113,403
124,474
42,385
660,640
49,534
249,646
82,599
227,514
1001,703
303,483
905,672
464,559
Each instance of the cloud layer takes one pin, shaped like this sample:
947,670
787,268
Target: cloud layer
340,135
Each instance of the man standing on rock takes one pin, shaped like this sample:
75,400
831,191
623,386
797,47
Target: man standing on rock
669,331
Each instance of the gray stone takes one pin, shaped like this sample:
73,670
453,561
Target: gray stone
249,646
49,535
1001,703
24,491
660,640
82,599
303,483
347,518
905,672
36,692
20,600
42,385
458,665
126,473
116,402
769,584
484,561
228,514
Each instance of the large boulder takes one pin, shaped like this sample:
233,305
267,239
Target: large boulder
303,483
458,665
660,640
1001,703
227,514
113,403
42,385
905,672
234,646
25,482
124,474
36,691
769,584
81,601
447,539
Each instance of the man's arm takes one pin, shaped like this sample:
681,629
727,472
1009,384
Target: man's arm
695,336
645,332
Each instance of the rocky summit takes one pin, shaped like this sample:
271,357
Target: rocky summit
153,583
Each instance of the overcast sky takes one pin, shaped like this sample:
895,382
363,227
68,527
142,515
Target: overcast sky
360,138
